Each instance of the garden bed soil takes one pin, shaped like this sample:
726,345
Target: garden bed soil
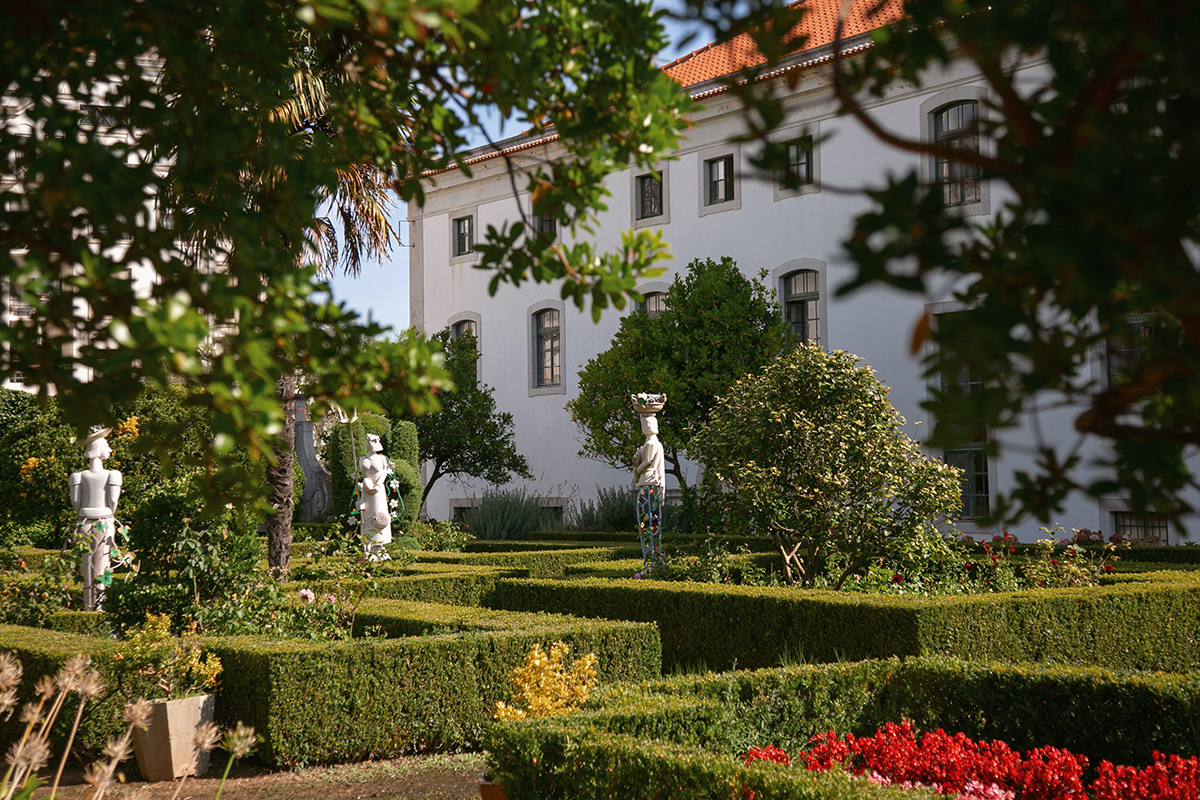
438,777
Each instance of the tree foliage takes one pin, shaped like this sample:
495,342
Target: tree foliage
1094,154
811,452
130,132
718,325
469,436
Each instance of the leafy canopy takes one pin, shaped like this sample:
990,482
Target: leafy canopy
130,128
1094,250
469,436
718,325
811,452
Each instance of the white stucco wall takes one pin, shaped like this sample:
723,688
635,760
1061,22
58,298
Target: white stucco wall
761,231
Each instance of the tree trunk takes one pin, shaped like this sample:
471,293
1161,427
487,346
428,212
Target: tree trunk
280,478
437,473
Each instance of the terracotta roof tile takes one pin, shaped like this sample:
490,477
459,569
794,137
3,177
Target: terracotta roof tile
818,24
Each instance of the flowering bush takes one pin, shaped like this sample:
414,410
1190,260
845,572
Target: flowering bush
958,766
171,664
768,753
546,686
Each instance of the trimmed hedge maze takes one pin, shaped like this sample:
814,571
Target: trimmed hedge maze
458,624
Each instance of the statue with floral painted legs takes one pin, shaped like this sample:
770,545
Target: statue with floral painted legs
649,474
94,494
377,500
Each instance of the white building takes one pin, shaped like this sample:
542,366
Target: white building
709,204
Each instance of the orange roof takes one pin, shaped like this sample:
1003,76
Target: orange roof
818,24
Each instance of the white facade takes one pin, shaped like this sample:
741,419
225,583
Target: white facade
762,227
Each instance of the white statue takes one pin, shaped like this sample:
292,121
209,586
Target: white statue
650,476
375,520
648,467
94,494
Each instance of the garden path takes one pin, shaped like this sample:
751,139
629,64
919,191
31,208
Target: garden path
436,777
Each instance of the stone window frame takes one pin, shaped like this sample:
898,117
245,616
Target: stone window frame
928,110
531,314
812,131
733,152
634,196
471,212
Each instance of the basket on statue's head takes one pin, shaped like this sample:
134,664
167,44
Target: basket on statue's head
646,403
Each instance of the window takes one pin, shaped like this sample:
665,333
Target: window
718,178
802,304
466,326
800,163
1148,528
654,303
956,127
1125,354
464,238
649,195
463,328
546,225
547,346
972,462
970,458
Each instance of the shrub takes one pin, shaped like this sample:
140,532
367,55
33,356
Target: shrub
190,555
753,627
545,686
812,453
614,509
507,514
440,536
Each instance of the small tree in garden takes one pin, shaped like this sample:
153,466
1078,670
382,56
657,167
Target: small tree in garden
469,436
717,326
811,452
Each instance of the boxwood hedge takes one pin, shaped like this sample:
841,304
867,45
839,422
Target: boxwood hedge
1149,621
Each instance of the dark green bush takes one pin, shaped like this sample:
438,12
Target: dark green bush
534,563
1151,623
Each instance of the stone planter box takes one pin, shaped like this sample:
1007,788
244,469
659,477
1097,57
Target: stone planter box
166,749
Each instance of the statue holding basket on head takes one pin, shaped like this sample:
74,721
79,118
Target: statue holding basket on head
649,474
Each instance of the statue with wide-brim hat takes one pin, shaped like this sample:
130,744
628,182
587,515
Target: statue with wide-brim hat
94,494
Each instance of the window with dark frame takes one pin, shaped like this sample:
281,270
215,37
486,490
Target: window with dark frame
718,177
546,225
802,304
800,167
464,240
649,195
970,458
956,127
1147,527
654,303
547,348
1125,355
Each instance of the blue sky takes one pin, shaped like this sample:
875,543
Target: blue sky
381,292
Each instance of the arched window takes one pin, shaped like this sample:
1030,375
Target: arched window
802,304
654,303
956,127
547,348
462,328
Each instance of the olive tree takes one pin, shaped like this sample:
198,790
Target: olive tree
811,452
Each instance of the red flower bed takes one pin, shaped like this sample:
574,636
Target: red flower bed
955,764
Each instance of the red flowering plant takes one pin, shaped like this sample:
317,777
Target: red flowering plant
958,766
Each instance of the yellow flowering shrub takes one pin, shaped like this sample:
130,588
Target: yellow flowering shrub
546,687
171,663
